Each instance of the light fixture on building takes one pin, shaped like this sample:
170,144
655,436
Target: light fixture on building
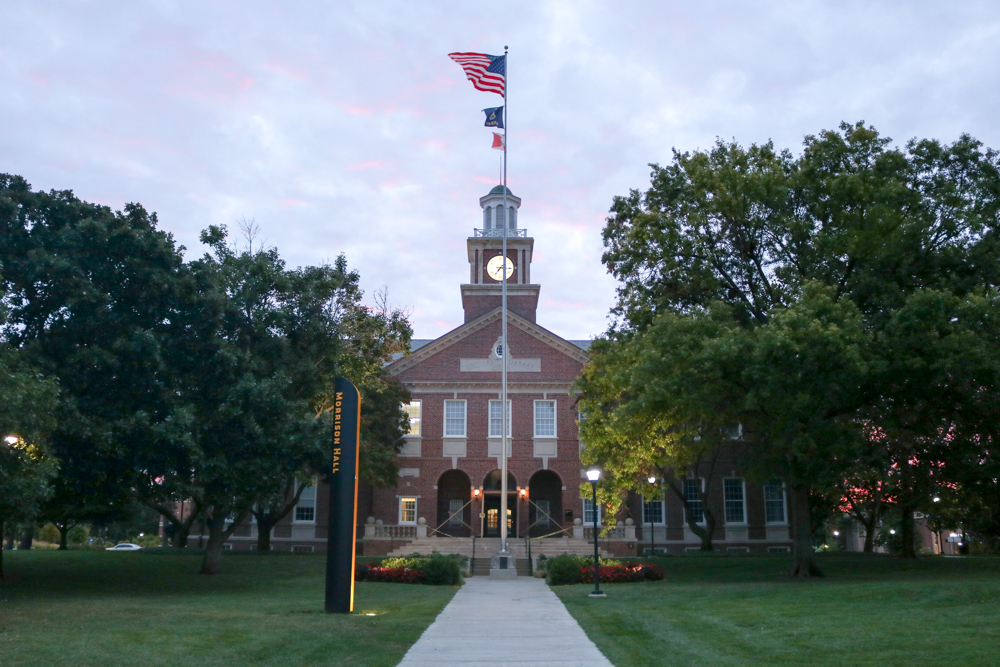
475,493
523,492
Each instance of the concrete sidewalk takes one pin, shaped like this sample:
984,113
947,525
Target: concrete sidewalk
519,622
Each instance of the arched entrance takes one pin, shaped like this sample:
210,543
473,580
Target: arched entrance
544,503
454,512
491,505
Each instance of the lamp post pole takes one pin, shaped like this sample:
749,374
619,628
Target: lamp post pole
593,476
652,547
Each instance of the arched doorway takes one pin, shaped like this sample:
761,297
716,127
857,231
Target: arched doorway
454,512
544,503
491,504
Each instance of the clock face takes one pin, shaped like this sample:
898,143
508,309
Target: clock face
495,267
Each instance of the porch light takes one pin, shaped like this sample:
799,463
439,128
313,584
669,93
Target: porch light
475,493
523,492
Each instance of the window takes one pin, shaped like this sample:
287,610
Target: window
695,509
545,419
588,512
455,506
652,511
542,508
732,490
774,502
305,509
302,549
412,409
496,426
408,510
454,419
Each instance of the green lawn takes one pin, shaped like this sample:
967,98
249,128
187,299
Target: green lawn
743,611
97,608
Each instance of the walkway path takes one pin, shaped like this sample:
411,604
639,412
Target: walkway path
497,623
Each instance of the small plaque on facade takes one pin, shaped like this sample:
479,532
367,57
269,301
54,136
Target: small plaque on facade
494,365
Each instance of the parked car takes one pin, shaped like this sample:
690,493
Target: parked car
124,546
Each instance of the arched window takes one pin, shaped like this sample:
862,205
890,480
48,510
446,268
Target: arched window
513,217
487,218
500,217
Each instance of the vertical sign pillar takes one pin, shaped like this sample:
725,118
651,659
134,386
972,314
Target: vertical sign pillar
342,535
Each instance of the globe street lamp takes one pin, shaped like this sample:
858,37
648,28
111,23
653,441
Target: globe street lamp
652,547
593,475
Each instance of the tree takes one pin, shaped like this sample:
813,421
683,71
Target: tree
92,296
833,244
27,416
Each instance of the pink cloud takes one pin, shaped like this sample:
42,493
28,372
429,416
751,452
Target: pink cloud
370,164
357,111
291,201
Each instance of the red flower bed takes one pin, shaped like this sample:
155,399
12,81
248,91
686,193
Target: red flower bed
623,574
390,575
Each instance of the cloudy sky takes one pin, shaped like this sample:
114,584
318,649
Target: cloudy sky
343,127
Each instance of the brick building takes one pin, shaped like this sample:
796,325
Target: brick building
449,477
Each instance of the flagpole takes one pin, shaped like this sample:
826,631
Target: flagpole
503,316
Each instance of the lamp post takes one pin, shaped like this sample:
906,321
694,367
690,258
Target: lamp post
652,547
593,475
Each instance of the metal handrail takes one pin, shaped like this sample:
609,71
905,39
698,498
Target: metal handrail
498,233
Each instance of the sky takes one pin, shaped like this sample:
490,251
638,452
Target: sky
343,127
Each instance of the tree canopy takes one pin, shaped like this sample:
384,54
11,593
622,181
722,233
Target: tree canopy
803,298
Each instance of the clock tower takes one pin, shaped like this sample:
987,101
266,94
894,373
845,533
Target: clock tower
486,266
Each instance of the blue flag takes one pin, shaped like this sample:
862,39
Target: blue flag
494,117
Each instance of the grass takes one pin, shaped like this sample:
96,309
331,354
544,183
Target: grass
744,611
98,608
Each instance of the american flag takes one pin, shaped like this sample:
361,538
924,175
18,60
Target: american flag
486,72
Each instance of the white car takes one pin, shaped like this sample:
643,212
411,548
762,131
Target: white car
124,546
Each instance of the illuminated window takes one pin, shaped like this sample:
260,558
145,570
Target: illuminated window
305,509
496,425
774,502
732,490
454,419
695,509
545,419
408,510
412,409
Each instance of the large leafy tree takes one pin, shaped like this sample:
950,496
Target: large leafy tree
802,265
92,295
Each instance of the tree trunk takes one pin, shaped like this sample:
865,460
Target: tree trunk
179,540
908,548
803,555
869,539
212,563
26,539
63,535
264,533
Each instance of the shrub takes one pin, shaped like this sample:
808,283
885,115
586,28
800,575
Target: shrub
563,570
436,569
622,574
393,575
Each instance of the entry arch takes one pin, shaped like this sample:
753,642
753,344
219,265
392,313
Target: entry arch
454,492
545,503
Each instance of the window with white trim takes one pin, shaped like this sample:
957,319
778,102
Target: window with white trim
305,509
545,419
694,508
407,510
735,500
652,511
412,410
588,512
774,502
454,419
496,425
